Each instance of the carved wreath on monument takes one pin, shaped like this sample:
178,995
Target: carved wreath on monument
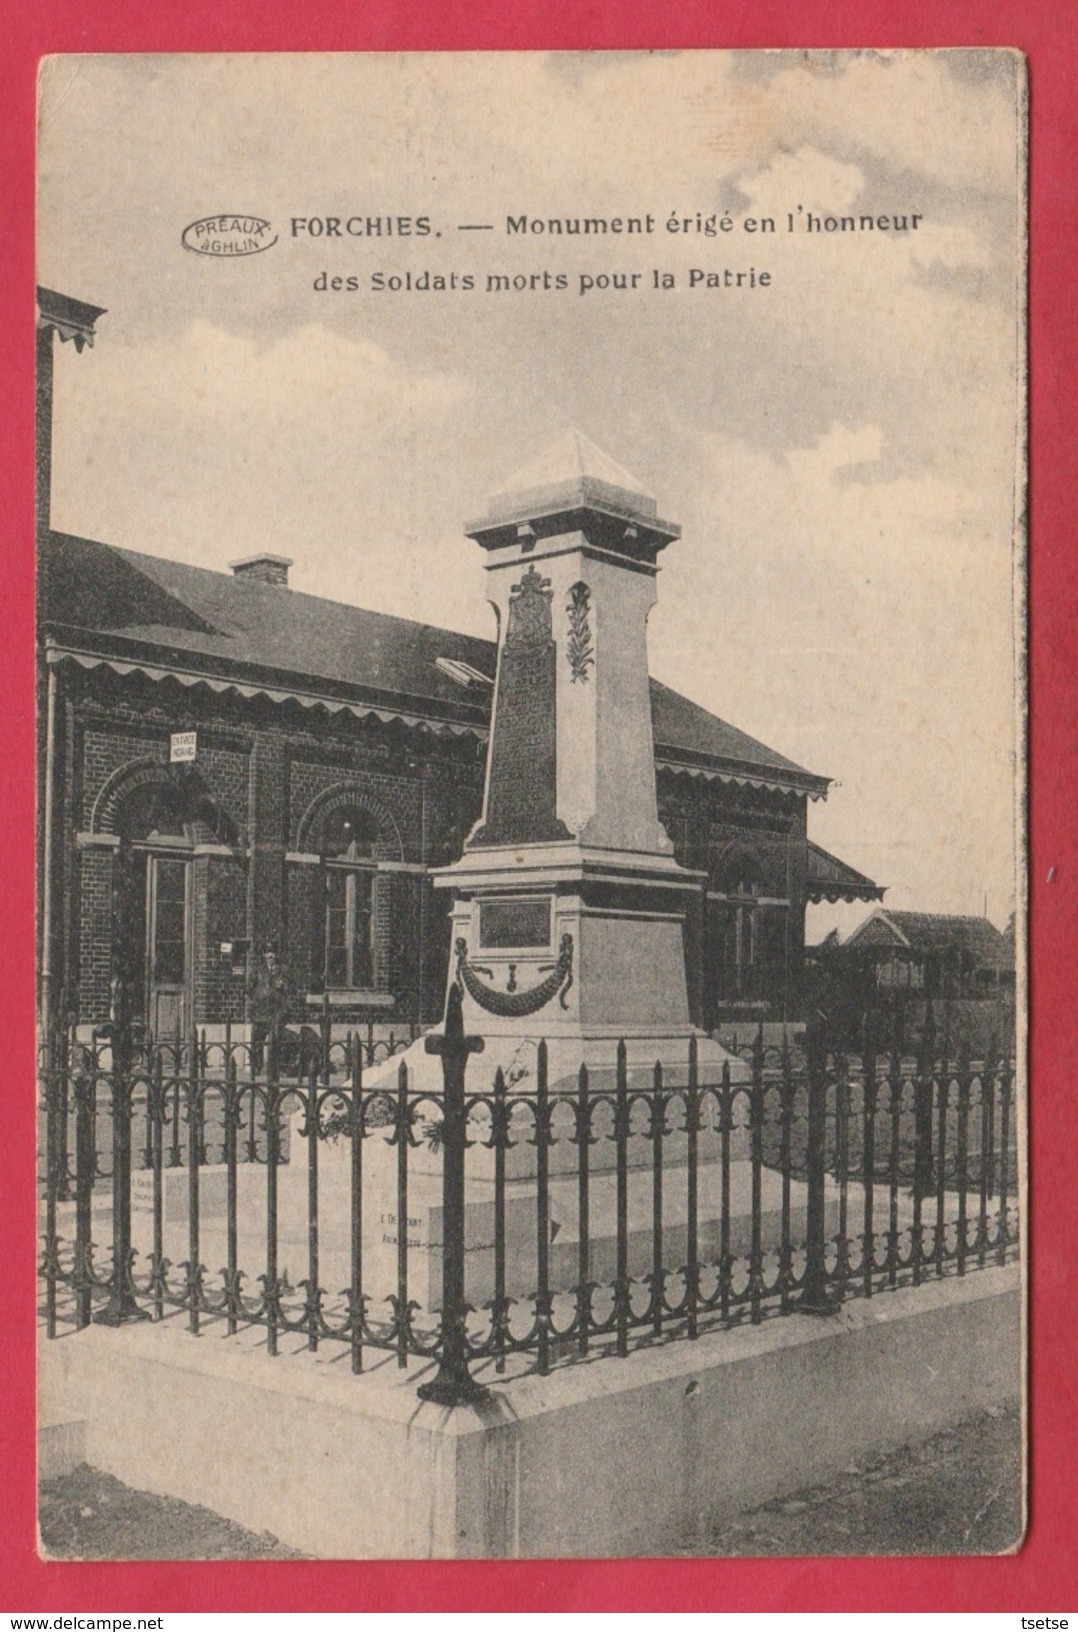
511,1005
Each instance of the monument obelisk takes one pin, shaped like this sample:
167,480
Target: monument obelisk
569,908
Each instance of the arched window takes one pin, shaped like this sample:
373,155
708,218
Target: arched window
159,821
742,941
737,885
347,921
753,957
742,881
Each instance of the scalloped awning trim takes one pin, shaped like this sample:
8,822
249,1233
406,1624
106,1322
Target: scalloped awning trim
741,779
832,880
333,705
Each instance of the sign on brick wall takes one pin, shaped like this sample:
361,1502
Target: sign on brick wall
182,747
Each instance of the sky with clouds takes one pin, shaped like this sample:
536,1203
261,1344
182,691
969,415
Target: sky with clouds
839,447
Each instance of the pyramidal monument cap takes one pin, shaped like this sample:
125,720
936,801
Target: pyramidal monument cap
572,475
571,459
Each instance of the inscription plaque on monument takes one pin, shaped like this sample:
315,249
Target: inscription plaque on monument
514,923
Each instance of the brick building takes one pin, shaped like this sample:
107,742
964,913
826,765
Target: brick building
227,764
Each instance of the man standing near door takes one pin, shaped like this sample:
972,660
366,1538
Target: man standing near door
267,1007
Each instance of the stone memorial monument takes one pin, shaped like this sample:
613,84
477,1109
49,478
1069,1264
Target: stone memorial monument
569,910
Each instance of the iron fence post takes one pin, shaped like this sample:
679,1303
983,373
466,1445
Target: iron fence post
453,1384
924,1180
63,1110
326,1038
756,1139
622,1130
84,1089
692,1225
1005,1079
121,1305
543,1301
868,1152
356,1300
817,1296
988,1078
50,1262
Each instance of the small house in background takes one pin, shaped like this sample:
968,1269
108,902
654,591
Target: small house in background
894,964
935,953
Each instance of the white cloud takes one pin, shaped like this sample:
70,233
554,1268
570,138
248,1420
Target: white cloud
839,447
213,445
807,177
947,246
906,108
312,371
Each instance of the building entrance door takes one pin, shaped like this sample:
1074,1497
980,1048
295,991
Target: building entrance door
168,889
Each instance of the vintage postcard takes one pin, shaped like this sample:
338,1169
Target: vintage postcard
531,910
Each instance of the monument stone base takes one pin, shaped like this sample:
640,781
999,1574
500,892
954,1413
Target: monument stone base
424,1236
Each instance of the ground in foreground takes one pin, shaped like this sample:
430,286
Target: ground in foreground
959,1492
87,1514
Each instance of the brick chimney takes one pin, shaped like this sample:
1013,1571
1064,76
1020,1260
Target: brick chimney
263,569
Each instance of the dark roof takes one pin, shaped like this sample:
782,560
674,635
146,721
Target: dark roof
141,606
830,879
93,586
684,731
55,307
925,933
218,621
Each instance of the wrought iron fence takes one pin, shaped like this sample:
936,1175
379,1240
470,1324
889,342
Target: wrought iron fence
297,1051
521,1223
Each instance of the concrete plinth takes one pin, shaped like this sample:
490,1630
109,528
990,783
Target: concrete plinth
176,1192
613,1458
61,1446
175,1206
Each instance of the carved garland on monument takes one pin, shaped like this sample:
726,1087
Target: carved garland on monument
578,647
512,1005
